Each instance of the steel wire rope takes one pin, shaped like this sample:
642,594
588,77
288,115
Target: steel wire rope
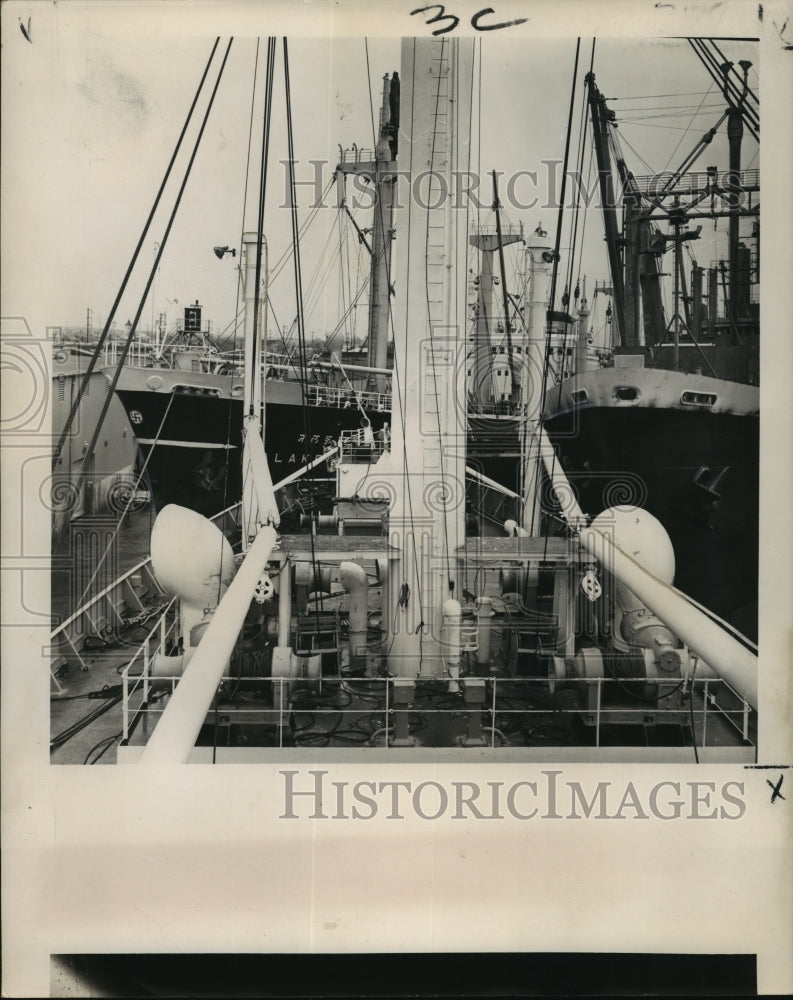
255,374
546,364
172,396
65,735
321,272
100,343
680,140
114,382
130,500
636,153
346,247
337,329
576,210
361,277
552,302
647,97
750,94
477,251
106,743
708,60
280,264
342,298
691,711
463,354
586,215
669,128
360,280
572,242
319,277
133,329
301,333
674,108
232,373
689,112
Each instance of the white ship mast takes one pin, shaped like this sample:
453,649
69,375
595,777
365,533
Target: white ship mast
427,460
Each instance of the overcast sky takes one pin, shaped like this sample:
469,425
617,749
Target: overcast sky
98,105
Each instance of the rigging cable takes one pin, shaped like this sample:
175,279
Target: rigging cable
462,328
351,327
573,239
266,120
552,303
301,333
100,343
130,501
133,329
576,211
734,85
343,298
680,140
750,117
232,373
337,329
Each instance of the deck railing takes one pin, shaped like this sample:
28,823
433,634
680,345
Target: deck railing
342,398
307,713
126,601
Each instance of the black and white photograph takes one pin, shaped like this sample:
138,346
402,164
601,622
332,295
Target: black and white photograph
382,426
489,355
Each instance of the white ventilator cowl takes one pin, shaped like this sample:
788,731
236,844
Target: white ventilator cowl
191,557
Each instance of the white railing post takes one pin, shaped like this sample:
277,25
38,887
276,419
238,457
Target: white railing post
386,711
125,703
597,711
146,671
493,719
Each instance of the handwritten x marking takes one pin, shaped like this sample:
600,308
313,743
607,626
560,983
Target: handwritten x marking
776,794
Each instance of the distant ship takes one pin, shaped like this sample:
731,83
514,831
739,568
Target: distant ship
672,424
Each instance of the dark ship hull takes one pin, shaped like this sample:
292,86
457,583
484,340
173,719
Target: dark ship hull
189,429
196,419
685,448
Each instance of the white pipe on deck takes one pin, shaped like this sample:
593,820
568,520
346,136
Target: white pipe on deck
355,581
732,662
175,735
452,621
491,483
305,468
353,368
484,612
284,603
565,494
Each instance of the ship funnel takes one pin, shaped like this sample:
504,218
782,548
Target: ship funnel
191,557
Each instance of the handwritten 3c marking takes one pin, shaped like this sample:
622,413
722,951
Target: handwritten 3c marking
475,20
